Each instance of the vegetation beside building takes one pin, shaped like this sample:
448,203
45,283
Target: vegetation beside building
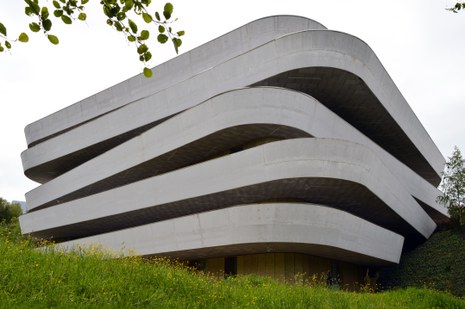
9,211
31,278
438,264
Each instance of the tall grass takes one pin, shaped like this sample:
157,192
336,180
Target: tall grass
53,279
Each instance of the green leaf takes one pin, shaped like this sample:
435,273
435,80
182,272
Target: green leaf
128,5
35,8
47,24
84,1
121,16
133,26
118,26
162,38
147,17
34,27
115,10
23,37
2,29
147,72
56,4
161,29
142,49
66,19
44,14
7,44
68,10
176,42
168,10
157,16
58,13
180,33
107,11
131,38
82,16
53,39
148,56
28,11
144,35
1,48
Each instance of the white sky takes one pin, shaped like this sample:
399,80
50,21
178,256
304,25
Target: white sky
421,45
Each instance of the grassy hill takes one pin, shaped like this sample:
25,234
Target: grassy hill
439,264
31,279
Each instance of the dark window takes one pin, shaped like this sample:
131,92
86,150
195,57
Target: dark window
230,266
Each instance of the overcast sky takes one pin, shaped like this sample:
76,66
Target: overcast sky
421,45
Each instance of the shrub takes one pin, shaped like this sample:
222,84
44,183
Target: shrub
9,211
438,264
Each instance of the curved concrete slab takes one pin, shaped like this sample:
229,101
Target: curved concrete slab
169,74
275,227
307,49
233,118
364,186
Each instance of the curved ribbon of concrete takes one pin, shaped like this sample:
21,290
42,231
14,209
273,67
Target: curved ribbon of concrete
193,136
284,161
169,74
275,227
313,48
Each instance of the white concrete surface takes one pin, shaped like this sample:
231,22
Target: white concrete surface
288,159
312,48
174,188
298,225
170,73
236,108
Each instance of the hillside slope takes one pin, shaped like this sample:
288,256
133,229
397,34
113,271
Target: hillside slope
31,278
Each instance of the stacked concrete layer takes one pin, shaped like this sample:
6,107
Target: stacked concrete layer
169,74
385,110
342,174
127,165
217,125
275,227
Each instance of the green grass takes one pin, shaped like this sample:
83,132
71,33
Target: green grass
33,279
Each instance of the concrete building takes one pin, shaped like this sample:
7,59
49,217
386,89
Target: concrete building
279,148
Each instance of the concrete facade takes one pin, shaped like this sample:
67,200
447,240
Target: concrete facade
279,139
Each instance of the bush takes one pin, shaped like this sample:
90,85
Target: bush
438,264
9,211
